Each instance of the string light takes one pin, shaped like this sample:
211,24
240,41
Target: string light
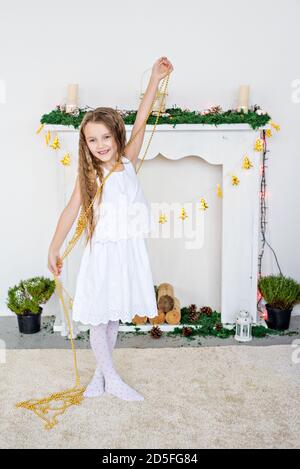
263,216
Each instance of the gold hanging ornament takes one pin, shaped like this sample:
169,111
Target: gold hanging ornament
269,133
66,161
55,144
235,180
259,145
63,399
275,126
247,163
48,137
183,214
40,128
203,204
162,219
219,191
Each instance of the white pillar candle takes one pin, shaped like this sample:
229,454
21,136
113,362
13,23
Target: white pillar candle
72,99
243,99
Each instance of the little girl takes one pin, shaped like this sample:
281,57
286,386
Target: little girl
115,279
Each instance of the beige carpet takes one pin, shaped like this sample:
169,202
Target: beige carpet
215,397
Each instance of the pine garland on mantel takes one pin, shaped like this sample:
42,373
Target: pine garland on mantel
255,117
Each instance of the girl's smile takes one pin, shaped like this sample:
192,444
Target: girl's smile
98,136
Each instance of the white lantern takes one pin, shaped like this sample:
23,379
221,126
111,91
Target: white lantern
243,327
160,98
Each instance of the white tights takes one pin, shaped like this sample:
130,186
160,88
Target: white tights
103,338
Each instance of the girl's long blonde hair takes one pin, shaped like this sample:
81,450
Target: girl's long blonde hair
90,167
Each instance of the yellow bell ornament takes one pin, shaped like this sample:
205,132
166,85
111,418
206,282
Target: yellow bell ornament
203,204
219,191
55,144
66,161
259,145
235,180
247,163
162,219
183,214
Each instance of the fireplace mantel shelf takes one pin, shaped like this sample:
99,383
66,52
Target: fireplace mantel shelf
170,127
215,144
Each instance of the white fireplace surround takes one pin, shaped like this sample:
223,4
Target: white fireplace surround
223,145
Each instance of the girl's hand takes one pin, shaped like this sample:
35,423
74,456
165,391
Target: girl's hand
161,68
54,262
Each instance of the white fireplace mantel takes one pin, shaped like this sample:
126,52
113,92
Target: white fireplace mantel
218,145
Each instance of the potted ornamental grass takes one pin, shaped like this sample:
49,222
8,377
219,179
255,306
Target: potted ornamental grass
280,294
25,299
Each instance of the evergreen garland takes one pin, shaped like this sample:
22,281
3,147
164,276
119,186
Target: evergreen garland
172,116
211,326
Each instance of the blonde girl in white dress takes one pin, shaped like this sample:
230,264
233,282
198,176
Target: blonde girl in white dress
115,280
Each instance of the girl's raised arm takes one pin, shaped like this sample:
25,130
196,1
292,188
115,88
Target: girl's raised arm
161,68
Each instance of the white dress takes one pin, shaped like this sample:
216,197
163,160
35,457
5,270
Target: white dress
115,278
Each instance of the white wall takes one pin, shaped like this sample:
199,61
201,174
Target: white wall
105,46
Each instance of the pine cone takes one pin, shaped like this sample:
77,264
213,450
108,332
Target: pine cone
206,310
219,326
156,332
192,307
255,107
186,331
215,109
193,314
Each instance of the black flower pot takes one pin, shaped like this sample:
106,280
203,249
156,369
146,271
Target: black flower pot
278,319
30,323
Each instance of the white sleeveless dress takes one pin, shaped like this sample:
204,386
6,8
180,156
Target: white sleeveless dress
115,278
